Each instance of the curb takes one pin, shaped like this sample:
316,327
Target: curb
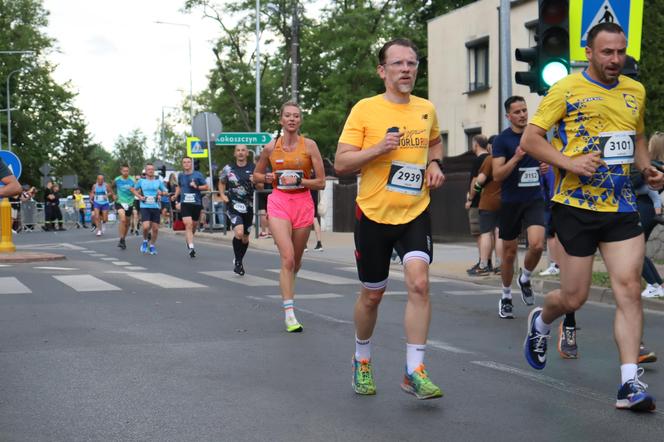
23,257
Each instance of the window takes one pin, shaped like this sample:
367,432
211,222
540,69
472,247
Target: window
470,133
478,64
444,138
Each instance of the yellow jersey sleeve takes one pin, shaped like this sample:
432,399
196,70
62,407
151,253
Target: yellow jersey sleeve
353,132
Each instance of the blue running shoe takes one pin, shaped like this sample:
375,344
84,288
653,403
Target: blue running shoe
633,395
144,247
534,347
153,249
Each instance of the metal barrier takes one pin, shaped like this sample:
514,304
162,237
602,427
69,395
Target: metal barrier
258,194
31,215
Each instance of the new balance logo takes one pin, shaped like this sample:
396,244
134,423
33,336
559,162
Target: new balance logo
425,116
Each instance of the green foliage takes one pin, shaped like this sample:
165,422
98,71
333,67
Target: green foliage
651,66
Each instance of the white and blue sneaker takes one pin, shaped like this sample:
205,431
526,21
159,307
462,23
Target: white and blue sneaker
633,395
144,247
534,347
153,249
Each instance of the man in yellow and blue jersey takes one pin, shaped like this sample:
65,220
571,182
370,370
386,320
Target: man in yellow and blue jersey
598,121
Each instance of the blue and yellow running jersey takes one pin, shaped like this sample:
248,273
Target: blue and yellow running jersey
591,117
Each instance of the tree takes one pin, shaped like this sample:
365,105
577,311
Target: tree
130,150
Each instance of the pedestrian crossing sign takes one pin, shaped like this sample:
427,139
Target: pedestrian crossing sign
584,14
195,149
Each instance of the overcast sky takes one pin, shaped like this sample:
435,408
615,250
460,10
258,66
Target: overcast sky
125,67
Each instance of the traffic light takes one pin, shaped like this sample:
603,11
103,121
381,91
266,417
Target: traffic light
549,59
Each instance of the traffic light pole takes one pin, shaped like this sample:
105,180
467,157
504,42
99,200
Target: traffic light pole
505,59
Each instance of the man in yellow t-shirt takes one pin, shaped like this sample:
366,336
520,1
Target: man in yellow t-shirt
598,121
394,140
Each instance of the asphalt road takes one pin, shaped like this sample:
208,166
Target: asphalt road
115,345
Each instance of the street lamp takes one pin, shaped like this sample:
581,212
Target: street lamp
191,89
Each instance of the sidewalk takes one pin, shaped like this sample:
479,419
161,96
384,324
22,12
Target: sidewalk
450,260
22,257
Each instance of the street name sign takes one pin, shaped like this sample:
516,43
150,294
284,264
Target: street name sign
251,138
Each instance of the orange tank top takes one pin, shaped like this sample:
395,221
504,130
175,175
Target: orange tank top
295,163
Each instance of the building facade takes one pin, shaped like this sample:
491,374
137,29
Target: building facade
464,68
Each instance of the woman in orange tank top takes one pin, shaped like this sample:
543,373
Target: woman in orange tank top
290,210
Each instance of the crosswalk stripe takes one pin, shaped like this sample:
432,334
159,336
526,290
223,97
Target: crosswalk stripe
55,268
135,268
314,296
5,265
395,274
121,263
109,259
165,281
98,255
321,277
248,280
12,286
86,283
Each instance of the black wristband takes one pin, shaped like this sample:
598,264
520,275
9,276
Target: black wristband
437,161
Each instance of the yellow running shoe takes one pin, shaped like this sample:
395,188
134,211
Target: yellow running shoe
419,385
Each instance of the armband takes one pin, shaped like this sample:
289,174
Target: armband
478,187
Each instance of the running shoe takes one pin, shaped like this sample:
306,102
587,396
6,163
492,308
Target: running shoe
419,385
122,244
153,249
479,271
552,270
93,228
652,291
534,347
238,267
363,381
192,253
99,233
319,247
567,342
292,326
526,290
496,270
646,355
144,247
633,395
505,308
477,264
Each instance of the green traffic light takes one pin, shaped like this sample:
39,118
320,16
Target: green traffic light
554,71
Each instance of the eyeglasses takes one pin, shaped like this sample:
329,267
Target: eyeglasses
410,64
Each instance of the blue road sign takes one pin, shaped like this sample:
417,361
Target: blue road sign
12,162
604,11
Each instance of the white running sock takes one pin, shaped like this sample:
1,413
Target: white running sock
507,292
362,349
525,275
542,326
628,372
288,309
191,245
414,356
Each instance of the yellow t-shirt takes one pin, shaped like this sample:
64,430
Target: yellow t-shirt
592,117
78,201
392,187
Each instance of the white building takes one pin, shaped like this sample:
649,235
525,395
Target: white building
464,60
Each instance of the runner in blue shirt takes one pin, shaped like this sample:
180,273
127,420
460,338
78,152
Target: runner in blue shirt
148,190
522,205
99,195
188,193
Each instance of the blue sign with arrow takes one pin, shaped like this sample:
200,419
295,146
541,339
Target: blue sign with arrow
12,162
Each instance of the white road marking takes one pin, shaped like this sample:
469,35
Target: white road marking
165,281
134,267
5,265
321,277
399,276
121,263
440,345
88,251
556,384
472,292
12,286
98,255
109,259
322,316
314,296
248,280
55,268
86,283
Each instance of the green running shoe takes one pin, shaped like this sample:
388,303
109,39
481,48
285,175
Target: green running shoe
363,381
292,326
419,385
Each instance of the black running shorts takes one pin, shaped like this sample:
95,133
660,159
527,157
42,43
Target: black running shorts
514,217
374,243
191,210
245,219
580,231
